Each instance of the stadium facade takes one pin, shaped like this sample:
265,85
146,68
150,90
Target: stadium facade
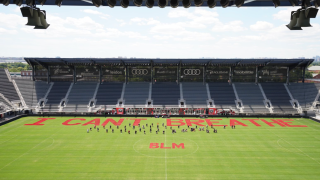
161,86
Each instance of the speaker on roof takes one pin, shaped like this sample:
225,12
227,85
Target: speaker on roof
224,3
211,3
302,20
58,2
293,2
43,16
111,3
29,2
35,19
18,2
198,3
186,3
97,3
26,11
311,12
293,22
124,3
42,2
174,3
137,2
162,3
276,3
6,2
149,3
239,3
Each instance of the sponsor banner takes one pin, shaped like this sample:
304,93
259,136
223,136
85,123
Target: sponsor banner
87,71
120,110
191,71
165,71
113,71
144,71
212,111
217,72
273,72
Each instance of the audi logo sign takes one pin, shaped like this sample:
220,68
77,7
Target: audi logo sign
192,72
139,72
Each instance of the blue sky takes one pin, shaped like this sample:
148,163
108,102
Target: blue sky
195,32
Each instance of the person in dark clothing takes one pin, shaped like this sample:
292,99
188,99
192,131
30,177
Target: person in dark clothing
112,130
117,127
140,129
135,132
121,131
98,129
110,126
129,124
106,130
144,132
128,132
224,126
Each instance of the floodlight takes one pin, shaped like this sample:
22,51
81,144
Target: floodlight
18,2
198,3
26,11
111,3
97,3
276,3
186,3
311,12
174,3
6,2
316,3
211,3
239,3
224,3
58,2
149,3
162,3
302,20
137,2
293,2
124,3
29,2
42,2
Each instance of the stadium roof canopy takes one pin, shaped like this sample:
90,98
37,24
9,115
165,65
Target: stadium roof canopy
148,62
252,3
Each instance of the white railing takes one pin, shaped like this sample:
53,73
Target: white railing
8,74
3,97
19,93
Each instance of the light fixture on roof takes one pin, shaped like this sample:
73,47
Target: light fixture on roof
149,3
276,3
97,3
58,2
18,2
111,3
293,2
239,3
5,2
162,3
186,3
198,3
174,3
42,2
137,2
224,3
211,3
301,18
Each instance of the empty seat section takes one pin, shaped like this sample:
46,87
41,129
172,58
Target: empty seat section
56,94
108,94
136,93
5,102
279,97
223,95
251,97
40,90
195,94
79,96
26,88
165,93
305,93
6,87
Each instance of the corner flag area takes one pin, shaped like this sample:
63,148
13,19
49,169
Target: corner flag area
152,148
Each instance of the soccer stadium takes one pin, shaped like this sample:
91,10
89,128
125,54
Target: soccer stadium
112,118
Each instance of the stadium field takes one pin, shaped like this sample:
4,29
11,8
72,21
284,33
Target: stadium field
60,148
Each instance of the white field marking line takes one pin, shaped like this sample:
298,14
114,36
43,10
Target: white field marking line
47,146
13,128
28,151
166,157
302,152
287,149
165,154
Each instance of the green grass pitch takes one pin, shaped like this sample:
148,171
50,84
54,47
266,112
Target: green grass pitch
56,150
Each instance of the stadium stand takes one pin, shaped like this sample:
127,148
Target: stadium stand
223,95
278,95
305,93
108,94
32,91
165,94
7,88
79,97
195,94
136,93
57,93
251,97
4,102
